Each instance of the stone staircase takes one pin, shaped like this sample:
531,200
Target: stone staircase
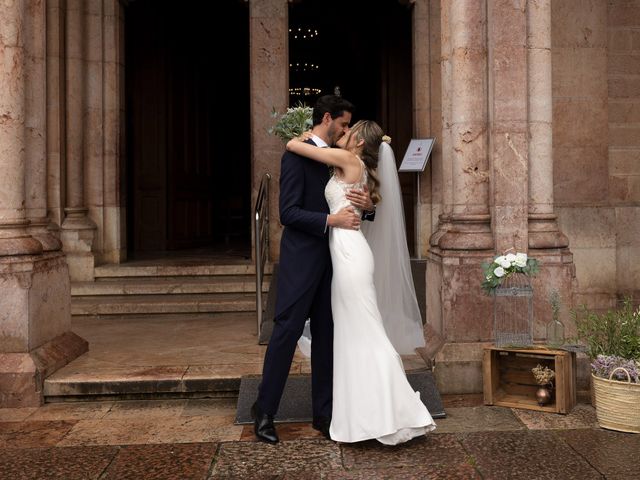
167,289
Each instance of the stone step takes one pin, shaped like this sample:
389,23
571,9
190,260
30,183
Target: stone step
169,285
134,270
163,304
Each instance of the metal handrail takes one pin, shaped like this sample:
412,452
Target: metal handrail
261,240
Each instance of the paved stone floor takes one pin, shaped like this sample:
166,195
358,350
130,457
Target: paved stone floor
196,439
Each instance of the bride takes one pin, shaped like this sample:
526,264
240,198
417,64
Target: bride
372,397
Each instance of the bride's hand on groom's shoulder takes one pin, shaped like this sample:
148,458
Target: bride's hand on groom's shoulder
304,136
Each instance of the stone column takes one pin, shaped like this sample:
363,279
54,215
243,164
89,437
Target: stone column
55,111
546,242
465,223
114,212
269,43
507,27
78,230
543,227
36,119
14,236
460,313
35,316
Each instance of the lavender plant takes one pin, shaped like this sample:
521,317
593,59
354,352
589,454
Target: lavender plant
614,333
604,365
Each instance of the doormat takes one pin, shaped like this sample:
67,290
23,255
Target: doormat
295,405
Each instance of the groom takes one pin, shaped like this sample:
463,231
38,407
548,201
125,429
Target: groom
304,275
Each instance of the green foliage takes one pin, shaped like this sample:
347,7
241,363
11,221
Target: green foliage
503,266
293,122
616,332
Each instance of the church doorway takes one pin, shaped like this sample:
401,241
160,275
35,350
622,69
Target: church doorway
187,127
364,52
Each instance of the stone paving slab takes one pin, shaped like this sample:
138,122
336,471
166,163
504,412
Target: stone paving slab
33,434
249,459
431,450
55,463
162,462
582,416
526,455
444,472
478,419
615,454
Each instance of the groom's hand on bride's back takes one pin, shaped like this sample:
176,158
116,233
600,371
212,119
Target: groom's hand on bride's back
360,198
345,218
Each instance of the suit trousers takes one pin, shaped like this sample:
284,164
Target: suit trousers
315,304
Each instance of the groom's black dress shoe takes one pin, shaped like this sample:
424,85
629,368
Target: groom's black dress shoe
263,425
322,425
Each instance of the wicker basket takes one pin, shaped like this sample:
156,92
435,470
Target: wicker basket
617,403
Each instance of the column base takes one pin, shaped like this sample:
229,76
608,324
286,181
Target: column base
22,374
77,234
40,231
463,232
544,232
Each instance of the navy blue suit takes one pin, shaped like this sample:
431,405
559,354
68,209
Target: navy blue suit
304,285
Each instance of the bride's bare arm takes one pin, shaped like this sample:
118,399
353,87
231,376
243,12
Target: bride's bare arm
336,157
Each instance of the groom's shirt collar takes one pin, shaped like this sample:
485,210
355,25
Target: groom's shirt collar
318,141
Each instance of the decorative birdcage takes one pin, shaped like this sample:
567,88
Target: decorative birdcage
513,311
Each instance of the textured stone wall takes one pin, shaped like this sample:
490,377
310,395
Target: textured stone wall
624,138
580,145
596,134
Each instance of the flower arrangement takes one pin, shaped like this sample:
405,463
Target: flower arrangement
543,375
503,266
293,122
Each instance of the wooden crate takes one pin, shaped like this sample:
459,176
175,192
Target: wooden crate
509,382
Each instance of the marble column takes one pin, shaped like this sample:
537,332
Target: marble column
465,223
507,29
36,119
35,316
78,230
456,307
546,242
269,57
55,133
14,236
543,227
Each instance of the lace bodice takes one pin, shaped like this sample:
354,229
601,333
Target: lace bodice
336,190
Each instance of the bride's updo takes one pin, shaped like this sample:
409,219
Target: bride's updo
371,133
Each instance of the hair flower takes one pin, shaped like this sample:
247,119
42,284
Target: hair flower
386,139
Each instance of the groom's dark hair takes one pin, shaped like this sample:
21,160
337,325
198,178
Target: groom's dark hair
333,104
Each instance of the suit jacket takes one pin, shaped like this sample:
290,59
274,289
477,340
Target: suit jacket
304,246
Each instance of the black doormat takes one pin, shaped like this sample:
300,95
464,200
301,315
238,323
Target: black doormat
295,405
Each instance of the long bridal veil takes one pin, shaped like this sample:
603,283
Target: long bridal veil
392,274
387,238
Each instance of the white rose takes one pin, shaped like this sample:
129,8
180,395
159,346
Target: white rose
499,272
510,257
521,259
500,259
505,263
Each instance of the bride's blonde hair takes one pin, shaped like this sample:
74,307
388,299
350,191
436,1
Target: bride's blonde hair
371,133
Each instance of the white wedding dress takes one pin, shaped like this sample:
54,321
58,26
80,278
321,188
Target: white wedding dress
372,397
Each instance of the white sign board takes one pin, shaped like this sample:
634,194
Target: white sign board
417,155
